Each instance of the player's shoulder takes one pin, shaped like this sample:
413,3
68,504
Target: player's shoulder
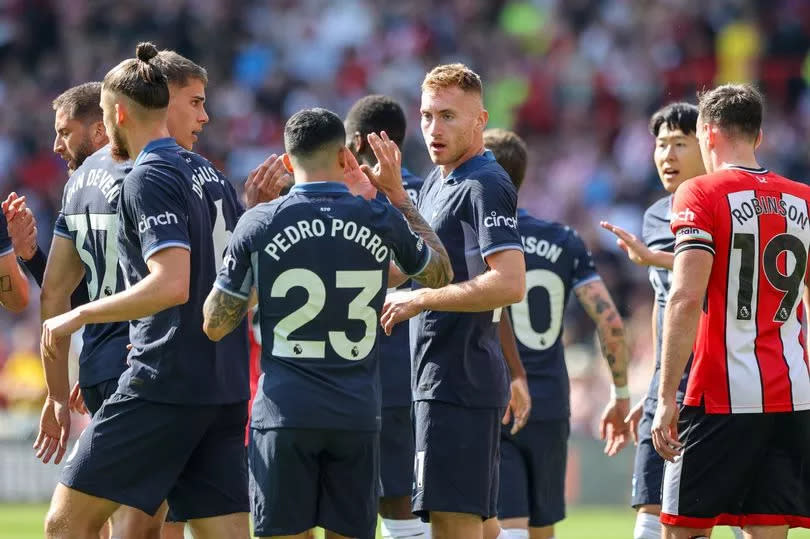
409,179
659,210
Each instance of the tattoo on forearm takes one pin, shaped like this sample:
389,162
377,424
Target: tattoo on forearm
5,283
598,304
224,311
438,272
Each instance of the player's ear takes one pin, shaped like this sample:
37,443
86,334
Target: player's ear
358,143
758,140
120,114
98,133
285,159
483,118
342,156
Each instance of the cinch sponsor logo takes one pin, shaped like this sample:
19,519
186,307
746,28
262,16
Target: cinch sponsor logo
493,219
146,223
685,215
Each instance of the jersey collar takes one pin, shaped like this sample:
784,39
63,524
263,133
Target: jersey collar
467,167
320,187
153,145
747,169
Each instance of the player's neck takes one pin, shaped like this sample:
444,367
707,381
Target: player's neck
139,139
741,159
302,176
472,151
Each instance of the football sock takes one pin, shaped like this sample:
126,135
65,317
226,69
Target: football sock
412,528
516,533
648,526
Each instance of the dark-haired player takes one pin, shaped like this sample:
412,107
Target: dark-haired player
533,460
174,428
374,114
319,258
738,449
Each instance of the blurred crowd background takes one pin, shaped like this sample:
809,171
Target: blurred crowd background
577,79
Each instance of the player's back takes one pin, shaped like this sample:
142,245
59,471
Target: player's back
749,353
176,198
557,262
89,219
320,256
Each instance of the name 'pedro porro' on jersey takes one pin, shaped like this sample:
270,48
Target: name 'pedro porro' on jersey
749,355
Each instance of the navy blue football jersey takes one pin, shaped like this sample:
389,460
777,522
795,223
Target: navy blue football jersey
557,262
319,259
457,357
176,198
89,219
657,234
395,350
5,240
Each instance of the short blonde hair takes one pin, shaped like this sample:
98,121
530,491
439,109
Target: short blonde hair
449,75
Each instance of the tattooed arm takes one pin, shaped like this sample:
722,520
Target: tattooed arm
438,271
596,300
13,284
222,312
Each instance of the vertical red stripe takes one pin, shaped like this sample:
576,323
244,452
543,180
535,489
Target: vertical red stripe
768,344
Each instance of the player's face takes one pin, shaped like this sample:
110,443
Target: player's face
73,140
118,145
452,124
677,157
187,114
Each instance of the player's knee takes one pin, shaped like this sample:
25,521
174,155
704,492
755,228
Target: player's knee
56,524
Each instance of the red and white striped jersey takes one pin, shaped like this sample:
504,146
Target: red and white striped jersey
750,350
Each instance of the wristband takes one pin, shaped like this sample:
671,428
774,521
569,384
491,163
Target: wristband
619,392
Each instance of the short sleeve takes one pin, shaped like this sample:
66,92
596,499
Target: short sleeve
410,254
235,277
584,267
692,219
60,227
5,241
155,205
494,206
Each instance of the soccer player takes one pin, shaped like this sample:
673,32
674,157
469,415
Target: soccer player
319,258
459,379
374,114
533,461
737,449
13,282
174,428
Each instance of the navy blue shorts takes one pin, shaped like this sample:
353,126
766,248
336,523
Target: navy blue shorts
533,472
396,452
95,395
457,453
648,468
302,478
139,453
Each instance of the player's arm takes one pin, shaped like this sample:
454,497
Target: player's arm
222,312
520,401
636,249
438,272
13,284
595,299
167,285
681,316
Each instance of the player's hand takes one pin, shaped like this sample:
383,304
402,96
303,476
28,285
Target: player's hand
59,327
265,182
76,401
634,418
398,307
54,430
22,227
636,250
387,175
665,430
520,405
612,428
355,178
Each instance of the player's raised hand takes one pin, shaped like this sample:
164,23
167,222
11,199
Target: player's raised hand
636,250
387,175
54,430
634,418
358,181
59,327
520,405
22,229
665,430
265,182
398,307
612,428
76,401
